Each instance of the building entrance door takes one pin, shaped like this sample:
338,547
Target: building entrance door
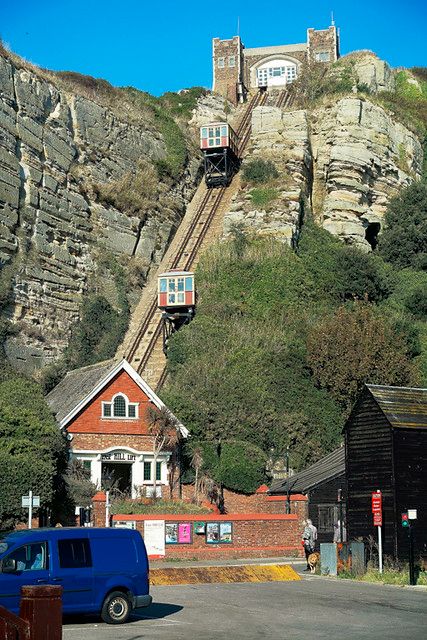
117,475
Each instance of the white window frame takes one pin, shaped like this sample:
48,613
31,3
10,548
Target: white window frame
231,61
221,63
127,405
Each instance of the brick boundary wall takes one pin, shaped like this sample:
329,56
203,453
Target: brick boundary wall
256,535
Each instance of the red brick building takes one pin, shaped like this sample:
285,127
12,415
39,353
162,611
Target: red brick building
103,409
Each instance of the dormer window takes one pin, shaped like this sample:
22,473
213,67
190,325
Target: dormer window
120,408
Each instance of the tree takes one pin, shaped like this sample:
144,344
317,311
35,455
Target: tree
164,428
404,240
355,346
32,449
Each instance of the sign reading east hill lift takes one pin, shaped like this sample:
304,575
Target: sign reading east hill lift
119,456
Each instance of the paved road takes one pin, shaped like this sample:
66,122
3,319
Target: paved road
314,608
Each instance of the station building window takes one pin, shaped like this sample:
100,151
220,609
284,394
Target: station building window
120,407
276,73
322,56
148,471
221,63
231,61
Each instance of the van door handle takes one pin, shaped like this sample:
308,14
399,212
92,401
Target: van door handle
57,579
41,581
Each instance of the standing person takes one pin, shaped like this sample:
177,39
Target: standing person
337,532
309,537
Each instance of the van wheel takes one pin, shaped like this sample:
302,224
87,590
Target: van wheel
116,608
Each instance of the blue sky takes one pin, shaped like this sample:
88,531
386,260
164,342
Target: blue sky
165,46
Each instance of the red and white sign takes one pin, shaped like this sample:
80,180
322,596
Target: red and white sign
378,519
377,508
377,502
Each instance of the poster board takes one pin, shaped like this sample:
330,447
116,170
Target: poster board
226,532
171,533
154,537
212,532
184,533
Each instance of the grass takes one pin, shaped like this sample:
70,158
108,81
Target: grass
262,197
131,507
389,576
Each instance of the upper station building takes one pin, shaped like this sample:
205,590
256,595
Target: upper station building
237,69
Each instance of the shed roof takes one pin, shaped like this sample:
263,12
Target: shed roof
404,407
327,468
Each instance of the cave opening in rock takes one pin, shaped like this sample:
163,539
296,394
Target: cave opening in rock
371,234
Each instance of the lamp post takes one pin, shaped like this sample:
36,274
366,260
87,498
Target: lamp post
288,492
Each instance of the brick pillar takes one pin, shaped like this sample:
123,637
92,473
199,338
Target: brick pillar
99,501
41,607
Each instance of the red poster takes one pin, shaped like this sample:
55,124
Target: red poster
376,502
378,519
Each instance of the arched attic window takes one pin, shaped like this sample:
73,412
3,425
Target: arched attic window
119,407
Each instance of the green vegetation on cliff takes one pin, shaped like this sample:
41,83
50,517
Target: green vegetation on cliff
281,345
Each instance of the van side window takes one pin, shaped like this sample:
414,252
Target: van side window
74,553
29,558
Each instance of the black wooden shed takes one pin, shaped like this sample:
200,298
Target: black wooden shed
386,449
320,483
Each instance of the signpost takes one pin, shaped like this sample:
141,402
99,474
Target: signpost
407,517
29,502
377,511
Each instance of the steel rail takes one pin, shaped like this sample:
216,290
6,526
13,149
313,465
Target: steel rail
243,130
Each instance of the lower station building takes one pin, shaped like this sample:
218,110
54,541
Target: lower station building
237,69
104,410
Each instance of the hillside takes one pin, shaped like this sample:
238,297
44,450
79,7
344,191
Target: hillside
94,181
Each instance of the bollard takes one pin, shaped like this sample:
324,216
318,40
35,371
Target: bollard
41,607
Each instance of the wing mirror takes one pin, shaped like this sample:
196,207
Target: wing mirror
8,566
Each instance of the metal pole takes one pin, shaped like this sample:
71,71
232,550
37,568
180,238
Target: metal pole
30,510
107,508
288,492
340,510
380,550
412,580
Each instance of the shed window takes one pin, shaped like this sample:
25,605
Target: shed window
106,409
132,411
221,63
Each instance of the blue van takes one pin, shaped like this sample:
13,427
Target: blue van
102,571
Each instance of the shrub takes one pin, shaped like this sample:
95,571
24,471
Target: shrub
259,171
404,240
263,197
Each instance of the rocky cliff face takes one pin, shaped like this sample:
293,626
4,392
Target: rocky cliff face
61,157
346,158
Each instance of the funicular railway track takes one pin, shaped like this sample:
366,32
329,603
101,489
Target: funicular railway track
185,257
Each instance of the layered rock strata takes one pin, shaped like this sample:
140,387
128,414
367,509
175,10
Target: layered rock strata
53,229
282,138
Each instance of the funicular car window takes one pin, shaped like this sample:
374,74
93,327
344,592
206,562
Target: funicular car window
74,553
204,133
189,284
171,284
180,284
223,131
163,285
